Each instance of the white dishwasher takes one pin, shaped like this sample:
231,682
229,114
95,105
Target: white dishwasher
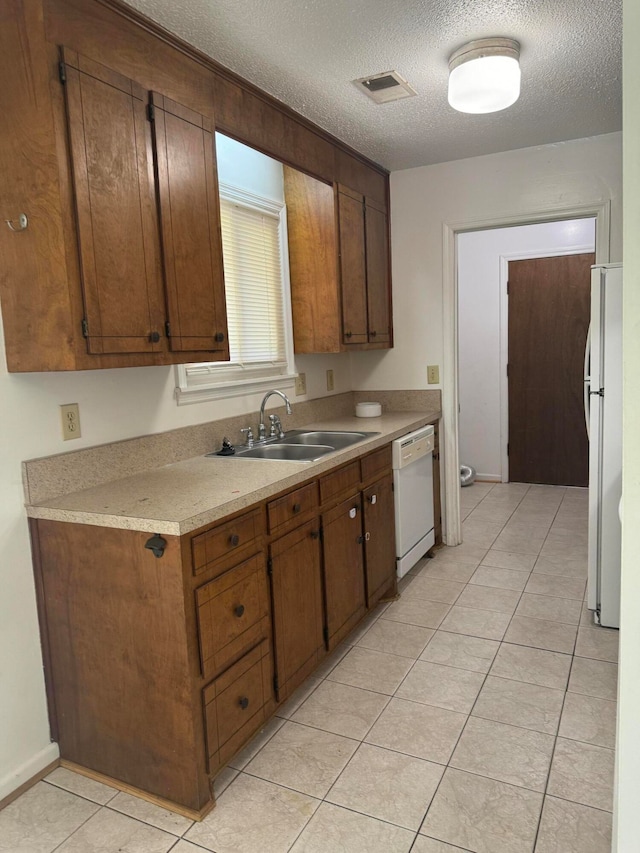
413,492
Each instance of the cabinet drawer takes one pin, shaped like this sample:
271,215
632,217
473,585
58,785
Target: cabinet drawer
339,481
292,506
235,704
225,541
376,463
233,614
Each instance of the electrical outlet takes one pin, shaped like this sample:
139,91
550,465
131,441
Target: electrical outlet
329,380
433,374
301,384
70,415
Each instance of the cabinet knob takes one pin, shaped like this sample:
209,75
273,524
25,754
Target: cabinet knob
315,534
234,540
297,507
154,337
348,334
367,536
373,334
360,540
372,499
244,703
239,610
219,337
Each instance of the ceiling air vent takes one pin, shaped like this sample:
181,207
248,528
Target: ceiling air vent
385,87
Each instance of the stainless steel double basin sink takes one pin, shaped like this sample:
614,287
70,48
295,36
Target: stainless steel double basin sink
302,446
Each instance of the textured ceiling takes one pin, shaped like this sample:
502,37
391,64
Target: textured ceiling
306,52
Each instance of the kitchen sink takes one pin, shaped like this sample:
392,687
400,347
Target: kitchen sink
288,452
300,445
335,438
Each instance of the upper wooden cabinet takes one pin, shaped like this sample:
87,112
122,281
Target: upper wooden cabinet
364,269
339,266
121,261
125,188
115,207
190,220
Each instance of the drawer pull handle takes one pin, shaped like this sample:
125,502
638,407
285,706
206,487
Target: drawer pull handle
367,536
297,507
234,540
372,499
239,610
244,703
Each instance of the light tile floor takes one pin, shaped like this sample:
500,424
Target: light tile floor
477,713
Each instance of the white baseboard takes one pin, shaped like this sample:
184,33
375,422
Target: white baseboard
17,777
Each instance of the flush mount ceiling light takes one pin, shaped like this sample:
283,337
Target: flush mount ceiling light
484,75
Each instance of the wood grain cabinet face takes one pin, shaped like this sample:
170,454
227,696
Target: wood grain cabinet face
377,243
147,211
190,222
353,270
111,163
379,534
339,267
296,590
364,269
343,566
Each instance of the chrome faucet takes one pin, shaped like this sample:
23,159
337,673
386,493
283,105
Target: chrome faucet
261,426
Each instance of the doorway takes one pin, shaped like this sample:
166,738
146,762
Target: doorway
546,339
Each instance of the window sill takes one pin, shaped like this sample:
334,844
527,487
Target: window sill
225,390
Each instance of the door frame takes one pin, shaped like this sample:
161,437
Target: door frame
601,211
504,336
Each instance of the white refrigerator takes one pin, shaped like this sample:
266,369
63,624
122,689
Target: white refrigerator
603,410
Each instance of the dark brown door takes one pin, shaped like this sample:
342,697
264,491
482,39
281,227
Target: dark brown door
296,584
190,224
353,272
377,274
380,544
115,208
343,564
549,307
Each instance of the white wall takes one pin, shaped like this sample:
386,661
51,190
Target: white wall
627,813
114,404
497,186
481,294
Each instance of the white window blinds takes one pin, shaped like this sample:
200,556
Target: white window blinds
253,284
254,241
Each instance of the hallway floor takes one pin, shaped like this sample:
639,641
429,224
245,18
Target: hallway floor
477,713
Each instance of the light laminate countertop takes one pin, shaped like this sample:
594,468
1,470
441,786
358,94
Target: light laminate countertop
181,497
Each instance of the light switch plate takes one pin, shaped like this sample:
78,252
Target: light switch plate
70,416
301,384
433,374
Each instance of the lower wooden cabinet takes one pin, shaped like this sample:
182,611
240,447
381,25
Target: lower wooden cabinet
379,538
296,589
343,567
161,665
235,704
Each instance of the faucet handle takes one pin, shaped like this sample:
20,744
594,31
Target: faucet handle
276,427
249,435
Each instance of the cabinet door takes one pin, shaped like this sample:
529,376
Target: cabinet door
296,585
190,226
113,188
377,240
380,540
343,565
353,274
